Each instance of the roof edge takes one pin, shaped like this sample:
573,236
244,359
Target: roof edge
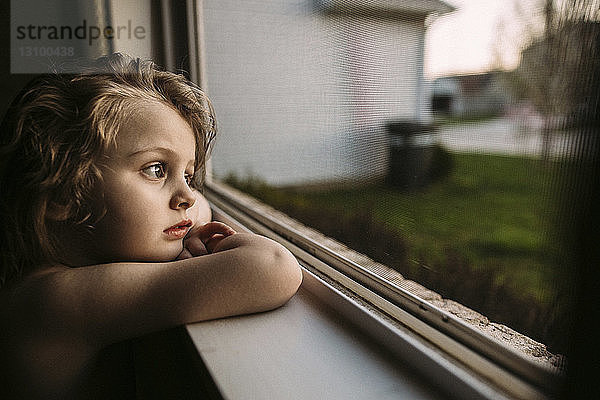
409,7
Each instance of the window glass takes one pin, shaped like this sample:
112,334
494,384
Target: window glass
435,137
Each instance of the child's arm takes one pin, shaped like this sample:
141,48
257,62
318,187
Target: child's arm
66,315
104,304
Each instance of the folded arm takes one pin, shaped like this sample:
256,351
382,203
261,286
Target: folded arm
107,303
54,323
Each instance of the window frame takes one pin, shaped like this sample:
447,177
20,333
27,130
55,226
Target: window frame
492,361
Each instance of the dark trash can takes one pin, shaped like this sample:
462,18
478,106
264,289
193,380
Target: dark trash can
411,149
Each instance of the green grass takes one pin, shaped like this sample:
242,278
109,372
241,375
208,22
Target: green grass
441,120
482,235
491,210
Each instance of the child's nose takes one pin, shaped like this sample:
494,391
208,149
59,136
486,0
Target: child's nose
183,197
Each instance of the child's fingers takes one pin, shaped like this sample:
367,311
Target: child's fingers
195,246
184,254
203,238
208,230
214,241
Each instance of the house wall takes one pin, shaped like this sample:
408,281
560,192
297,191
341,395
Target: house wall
302,95
135,14
472,95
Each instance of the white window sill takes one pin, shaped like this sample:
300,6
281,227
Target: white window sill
303,350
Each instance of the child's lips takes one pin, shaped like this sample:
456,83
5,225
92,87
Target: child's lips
179,230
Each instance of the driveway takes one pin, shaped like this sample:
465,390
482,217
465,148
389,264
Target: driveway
499,136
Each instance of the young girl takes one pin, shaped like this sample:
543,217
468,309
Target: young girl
104,237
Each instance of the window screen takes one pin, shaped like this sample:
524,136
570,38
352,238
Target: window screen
328,111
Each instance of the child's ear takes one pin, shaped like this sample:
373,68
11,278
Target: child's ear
57,212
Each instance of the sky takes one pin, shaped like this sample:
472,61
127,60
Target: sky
480,35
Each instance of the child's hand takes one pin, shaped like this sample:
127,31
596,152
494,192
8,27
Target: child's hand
203,239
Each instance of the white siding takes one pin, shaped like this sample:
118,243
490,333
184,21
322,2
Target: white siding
134,14
302,95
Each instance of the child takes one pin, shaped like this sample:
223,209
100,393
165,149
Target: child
104,237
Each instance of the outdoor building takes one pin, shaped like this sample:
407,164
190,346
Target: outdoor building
303,89
470,95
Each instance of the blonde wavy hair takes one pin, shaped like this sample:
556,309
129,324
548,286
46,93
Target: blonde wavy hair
54,137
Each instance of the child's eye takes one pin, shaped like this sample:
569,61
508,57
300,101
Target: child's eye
155,171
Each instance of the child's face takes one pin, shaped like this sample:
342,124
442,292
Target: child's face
146,190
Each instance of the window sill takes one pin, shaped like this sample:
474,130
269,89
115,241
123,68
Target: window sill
303,350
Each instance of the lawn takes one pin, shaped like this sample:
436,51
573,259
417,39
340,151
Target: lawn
492,210
493,215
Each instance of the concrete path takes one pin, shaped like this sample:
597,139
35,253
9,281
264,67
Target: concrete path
499,136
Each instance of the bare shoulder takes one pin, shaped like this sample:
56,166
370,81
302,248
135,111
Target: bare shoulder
39,355
32,306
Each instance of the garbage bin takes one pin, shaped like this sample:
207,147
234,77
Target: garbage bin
411,147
